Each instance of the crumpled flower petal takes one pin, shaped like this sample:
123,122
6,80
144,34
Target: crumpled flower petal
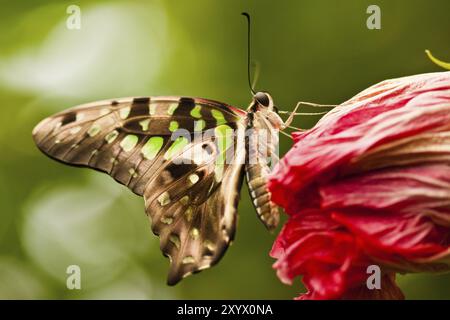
369,184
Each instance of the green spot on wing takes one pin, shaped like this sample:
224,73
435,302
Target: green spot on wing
223,131
173,126
124,112
129,142
144,124
152,109
224,136
195,112
110,137
176,147
175,240
218,115
199,125
172,108
152,147
94,130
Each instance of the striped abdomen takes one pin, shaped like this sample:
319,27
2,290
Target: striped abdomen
257,183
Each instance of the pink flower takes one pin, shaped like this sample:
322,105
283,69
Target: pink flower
369,184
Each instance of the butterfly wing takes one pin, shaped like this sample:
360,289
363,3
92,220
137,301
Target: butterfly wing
149,145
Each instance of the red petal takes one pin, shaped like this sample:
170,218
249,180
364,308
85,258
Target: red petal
311,244
356,193
391,110
396,212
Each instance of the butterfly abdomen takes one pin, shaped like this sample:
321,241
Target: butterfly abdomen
267,211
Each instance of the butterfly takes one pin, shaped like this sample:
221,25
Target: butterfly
192,204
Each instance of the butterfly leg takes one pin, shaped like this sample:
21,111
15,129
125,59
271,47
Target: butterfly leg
295,113
316,105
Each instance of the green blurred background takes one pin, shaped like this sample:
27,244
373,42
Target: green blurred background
52,216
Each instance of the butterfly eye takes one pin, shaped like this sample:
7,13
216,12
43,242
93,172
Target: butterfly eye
262,98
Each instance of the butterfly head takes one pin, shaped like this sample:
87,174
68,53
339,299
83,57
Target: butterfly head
263,102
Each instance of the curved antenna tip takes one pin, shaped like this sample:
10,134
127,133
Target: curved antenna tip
252,90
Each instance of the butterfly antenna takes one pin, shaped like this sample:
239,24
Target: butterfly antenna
248,53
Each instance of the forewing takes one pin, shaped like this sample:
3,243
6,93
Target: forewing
127,138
